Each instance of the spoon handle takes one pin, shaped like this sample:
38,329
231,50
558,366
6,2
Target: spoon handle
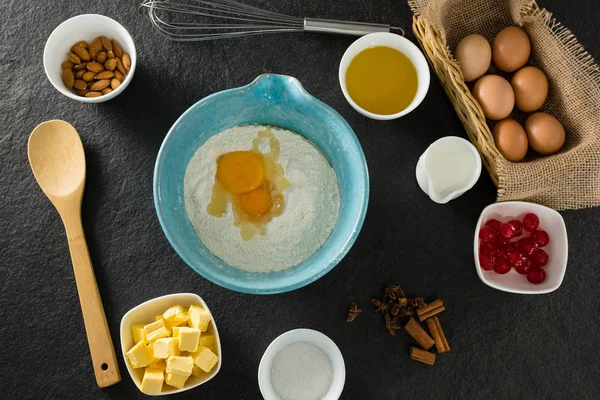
102,351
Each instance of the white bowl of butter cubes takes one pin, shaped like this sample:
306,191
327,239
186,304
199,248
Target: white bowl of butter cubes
170,344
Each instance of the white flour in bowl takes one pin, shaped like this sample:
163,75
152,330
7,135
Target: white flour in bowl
311,203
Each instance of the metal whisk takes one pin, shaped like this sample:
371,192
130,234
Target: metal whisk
196,20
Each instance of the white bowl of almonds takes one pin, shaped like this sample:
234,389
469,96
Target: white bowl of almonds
90,58
170,344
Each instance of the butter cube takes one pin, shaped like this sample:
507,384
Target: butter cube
188,339
205,359
158,363
209,340
166,347
180,365
196,371
152,381
175,331
199,318
137,331
175,380
175,316
156,330
140,355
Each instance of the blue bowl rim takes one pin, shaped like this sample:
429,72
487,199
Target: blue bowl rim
206,272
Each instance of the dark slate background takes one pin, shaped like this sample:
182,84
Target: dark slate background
503,345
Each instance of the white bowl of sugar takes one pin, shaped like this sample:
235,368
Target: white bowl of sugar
302,364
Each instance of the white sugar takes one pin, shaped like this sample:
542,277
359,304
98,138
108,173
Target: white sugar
301,371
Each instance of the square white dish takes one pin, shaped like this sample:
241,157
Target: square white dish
550,221
147,312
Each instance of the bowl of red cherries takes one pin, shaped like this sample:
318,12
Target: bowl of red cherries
521,247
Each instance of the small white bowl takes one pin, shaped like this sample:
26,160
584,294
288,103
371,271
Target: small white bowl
147,312
399,43
302,335
85,27
558,248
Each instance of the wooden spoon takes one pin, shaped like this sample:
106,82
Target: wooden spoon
58,163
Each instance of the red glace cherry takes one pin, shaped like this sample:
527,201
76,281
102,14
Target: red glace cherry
536,275
539,258
540,238
515,258
524,267
487,261
501,266
511,248
488,249
527,246
494,224
487,234
507,231
517,227
530,222
501,242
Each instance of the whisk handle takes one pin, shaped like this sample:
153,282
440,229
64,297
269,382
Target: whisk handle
342,27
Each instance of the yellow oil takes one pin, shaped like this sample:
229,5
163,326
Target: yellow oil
382,80
257,196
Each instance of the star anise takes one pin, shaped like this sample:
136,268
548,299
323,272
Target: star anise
417,302
353,312
381,305
390,291
390,324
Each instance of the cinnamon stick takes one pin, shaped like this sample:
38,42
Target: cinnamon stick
431,309
441,344
421,355
413,328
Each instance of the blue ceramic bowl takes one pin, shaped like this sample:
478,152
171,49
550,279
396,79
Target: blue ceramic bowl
275,100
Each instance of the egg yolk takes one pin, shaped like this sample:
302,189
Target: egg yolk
240,171
253,182
256,202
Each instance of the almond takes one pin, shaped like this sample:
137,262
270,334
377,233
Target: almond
96,87
81,53
95,48
95,67
93,94
88,76
80,85
68,78
106,90
74,58
81,43
126,61
101,57
114,84
119,76
67,65
120,66
111,64
82,92
106,43
117,48
81,66
104,75
79,74
110,54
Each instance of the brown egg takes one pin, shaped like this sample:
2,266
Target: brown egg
474,55
510,139
495,95
511,49
531,88
545,133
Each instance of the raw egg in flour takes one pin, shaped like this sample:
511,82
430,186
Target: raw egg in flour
253,182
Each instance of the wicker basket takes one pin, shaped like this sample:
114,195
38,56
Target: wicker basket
566,180
468,109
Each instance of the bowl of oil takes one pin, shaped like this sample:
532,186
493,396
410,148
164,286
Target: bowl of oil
384,76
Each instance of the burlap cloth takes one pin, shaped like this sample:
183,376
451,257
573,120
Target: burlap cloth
571,178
